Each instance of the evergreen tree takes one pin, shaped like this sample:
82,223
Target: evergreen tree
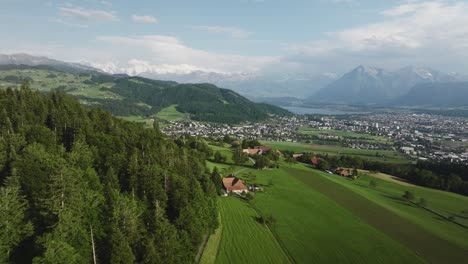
121,252
14,226
217,180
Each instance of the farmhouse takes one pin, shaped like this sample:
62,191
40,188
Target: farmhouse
257,150
251,151
315,161
296,156
232,184
342,172
263,148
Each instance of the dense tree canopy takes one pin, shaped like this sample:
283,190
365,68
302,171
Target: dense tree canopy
74,182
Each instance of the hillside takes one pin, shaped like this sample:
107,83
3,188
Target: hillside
74,182
136,96
378,225
29,60
435,94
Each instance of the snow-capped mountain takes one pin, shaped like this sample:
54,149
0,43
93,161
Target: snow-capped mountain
26,59
251,84
367,84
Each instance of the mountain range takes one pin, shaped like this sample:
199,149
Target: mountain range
29,60
370,85
136,96
363,85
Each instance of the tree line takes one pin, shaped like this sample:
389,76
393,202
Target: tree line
441,175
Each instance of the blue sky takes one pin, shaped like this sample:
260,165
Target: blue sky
240,35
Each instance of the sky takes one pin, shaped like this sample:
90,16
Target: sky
240,36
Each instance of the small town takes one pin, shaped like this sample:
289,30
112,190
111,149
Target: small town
418,136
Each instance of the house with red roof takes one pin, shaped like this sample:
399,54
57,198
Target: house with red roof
315,161
232,184
257,150
342,172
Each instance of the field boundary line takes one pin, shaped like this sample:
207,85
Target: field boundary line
278,240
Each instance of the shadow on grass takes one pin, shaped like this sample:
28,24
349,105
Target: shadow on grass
397,200
400,180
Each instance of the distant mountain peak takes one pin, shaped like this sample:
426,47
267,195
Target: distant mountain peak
369,70
366,84
31,60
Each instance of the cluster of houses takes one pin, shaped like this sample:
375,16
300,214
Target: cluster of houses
315,161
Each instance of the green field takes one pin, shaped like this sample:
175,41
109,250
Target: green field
297,147
388,195
170,113
227,152
315,229
344,134
211,249
147,122
244,239
44,80
323,218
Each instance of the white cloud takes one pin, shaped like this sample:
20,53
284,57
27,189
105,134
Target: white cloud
431,33
87,14
168,50
66,23
144,19
230,31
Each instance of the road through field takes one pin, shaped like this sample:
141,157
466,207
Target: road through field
428,246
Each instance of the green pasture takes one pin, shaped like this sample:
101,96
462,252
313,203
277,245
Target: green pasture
388,195
243,238
370,154
170,113
344,134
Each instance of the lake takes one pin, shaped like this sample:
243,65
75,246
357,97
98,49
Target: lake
319,111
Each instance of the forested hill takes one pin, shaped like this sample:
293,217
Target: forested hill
74,181
137,96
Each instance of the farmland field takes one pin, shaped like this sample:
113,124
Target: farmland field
44,80
297,147
244,239
170,113
311,225
313,210
344,134
227,152
388,195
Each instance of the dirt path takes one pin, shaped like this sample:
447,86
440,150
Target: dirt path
424,244
202,248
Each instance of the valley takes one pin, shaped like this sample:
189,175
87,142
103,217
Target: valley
234,132
297,208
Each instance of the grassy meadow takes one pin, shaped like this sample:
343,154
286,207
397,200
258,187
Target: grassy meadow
315,229
388,195
344,134
243,238
44,80
298,147
323,218
170,113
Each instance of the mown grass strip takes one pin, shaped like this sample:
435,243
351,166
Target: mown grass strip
428,246
211,248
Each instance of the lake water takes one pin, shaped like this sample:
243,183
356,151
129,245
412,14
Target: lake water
318,111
